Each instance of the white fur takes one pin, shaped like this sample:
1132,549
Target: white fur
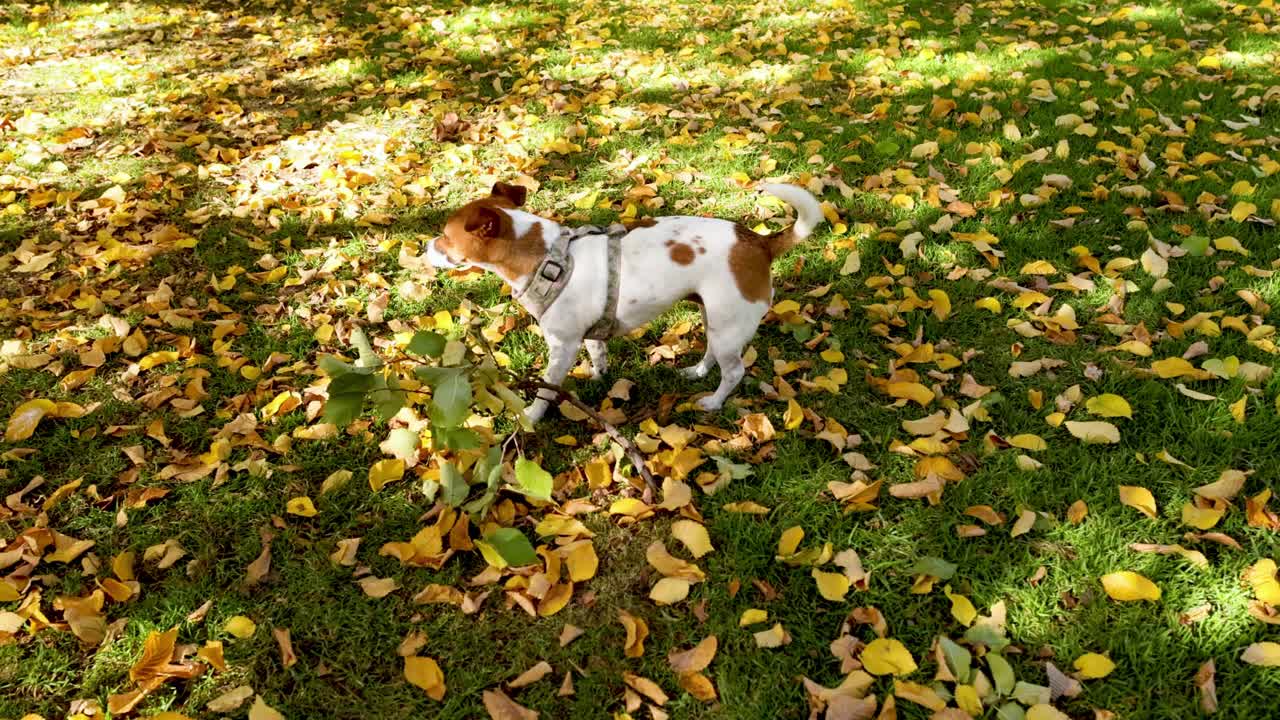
650,282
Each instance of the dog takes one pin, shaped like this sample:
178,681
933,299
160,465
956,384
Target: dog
721,265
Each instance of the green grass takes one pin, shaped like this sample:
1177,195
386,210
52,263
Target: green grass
259,131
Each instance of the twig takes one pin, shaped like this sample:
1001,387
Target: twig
633,453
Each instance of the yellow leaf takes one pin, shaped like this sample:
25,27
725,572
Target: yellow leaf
911,391
24,420
301,506
794,415
696,659
1226,487
751,616
790,540
1092,666
1266,654
1127,586
1077,512
832,586
1108,405
773,637
1200,518
968,700
1027,441
262,711
425,673
1140,499
746,506
159,357
1039,267
1230,244
941,304
1172,368
669,590
1041,711
1238,409
157,651
961,608
582,561
385,471
241,627
988,303
1262,577
1243,210
1095,432
693,536
556,599
637,631
886,656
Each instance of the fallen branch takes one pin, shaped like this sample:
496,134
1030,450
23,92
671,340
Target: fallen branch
628,447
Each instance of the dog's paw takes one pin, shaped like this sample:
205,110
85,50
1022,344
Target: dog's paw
708,404
534,412
693,372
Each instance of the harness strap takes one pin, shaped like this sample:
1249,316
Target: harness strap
608,322
552,275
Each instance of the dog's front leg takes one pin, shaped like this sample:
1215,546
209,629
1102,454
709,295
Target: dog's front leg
560,357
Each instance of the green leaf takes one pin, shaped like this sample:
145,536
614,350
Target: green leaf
368,358
737,471
333,366
1011,711
488,470
430,488
534,481
1196,245
887,147
451,399
958,659
513,546
346,397
1001,673
454,485
935,567
428,343
454,438
983,634
387,397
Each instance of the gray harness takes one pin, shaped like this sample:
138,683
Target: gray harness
553,273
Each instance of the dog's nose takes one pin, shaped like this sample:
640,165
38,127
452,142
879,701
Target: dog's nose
437,258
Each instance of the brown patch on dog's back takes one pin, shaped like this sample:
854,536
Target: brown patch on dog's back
681,254
749,261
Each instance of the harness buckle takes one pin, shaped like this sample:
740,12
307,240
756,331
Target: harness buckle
551,271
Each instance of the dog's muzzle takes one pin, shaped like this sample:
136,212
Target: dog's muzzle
437,258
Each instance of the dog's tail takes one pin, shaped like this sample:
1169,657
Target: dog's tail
808,216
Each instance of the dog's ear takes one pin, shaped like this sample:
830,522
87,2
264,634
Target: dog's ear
515,193
485,222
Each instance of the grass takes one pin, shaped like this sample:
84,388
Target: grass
310,137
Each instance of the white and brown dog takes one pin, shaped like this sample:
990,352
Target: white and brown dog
720,264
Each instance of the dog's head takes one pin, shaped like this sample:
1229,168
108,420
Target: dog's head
479,233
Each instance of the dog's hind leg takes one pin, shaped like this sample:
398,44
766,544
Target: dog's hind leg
731,335
699,371
598,351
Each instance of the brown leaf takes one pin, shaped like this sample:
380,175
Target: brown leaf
287,658
694,659
1207,687
531,676
501,707
157,651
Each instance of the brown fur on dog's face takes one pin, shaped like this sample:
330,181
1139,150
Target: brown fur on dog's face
480,233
